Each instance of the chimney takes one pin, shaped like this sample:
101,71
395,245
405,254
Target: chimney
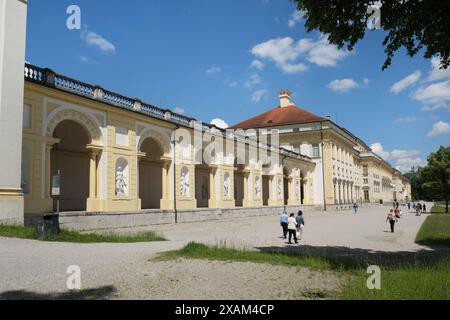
285,98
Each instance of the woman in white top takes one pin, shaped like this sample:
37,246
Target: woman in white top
292,228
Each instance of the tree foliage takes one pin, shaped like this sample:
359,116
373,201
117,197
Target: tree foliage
432,182
411,24
436,175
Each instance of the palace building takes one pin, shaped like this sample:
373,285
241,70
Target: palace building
346,169
105,160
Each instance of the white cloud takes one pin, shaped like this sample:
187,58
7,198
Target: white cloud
378,149
286,53
258,95
253,80
213,70
295,18
219,123
406,120
325,55
439,128
434,96
406,82
96,40
257,64
233,84
399,154
343,85
179,110
436,73
403,160
86,60
405,164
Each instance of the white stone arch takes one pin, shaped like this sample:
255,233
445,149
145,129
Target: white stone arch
161,139
85,120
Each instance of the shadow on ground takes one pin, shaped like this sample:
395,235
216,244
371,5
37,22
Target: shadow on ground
100,293
354,258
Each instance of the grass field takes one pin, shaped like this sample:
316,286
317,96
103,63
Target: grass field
408,281
76,237
438,208
435,231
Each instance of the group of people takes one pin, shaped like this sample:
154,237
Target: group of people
292,225
420,208
396,213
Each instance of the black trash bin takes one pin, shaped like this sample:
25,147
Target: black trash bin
48,226
381,201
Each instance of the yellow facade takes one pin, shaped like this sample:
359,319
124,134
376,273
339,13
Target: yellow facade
100,148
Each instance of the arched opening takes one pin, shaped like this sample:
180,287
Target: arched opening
302,188
285,186
70,158
202,192
150,174
265,189
238,184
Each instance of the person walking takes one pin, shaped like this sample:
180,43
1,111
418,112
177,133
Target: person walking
418,209
355,207
409,206
292,228
392,219
284,224
300,224
424,208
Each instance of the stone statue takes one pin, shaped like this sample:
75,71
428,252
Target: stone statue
184,183
280,187
121,183
297,189
226,186
257,187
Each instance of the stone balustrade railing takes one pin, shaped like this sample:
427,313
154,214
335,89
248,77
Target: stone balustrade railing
49,78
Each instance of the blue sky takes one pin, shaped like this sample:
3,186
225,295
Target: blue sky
226,59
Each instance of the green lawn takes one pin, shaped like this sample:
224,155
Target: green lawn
195,250
435,231
404,283
76,237
408,281
438,208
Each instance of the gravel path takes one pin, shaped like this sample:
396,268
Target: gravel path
33,269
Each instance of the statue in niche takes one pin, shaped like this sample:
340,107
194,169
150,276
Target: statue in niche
280,187
121,183
297,189
258,187
184,183
226,186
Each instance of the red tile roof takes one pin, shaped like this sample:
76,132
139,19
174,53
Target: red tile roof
279,117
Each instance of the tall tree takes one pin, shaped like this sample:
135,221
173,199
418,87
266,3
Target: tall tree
412,24
437,175
415,178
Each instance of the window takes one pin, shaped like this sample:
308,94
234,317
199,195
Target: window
365,171
316,152
26,116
